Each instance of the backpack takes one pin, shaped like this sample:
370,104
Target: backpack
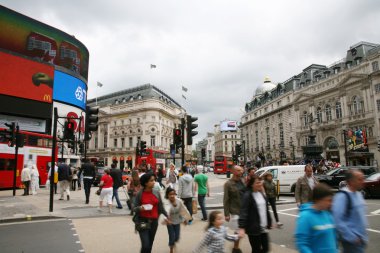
348,205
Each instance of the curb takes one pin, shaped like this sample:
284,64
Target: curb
30,218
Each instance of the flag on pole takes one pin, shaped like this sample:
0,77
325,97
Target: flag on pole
152,66
99,84
184,88
183,96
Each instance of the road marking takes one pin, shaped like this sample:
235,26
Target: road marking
294,208
75,234
293,215
81,250
376,212
373,230
77,242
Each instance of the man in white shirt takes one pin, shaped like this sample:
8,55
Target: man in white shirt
25,179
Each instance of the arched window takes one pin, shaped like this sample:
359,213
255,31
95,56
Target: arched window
338,110
356,105
319,115
328,112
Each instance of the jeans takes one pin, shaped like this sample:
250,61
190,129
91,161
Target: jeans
147,237
188,202
74,184
272,203
352,248
87,183
116,196
259,243
174,232
201,201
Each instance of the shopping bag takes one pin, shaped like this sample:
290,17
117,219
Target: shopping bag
195,206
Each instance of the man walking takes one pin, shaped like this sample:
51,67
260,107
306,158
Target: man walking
117,182
64,173
349,211
304,186
202,189
234,190
88,173
186,190
25,179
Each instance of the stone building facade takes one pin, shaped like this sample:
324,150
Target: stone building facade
126,117
340,103
225,141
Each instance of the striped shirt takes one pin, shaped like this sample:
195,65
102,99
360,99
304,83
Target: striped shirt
214,240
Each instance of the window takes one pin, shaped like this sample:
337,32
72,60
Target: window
268,137
378,105
377,88
356,107
152,140
105,139
96,142
7,164
225,137
122,142
328,112
338,110
138,139
257,139
305,119
138,120
319,115
115,143
130,142
281,128
130,121
375,66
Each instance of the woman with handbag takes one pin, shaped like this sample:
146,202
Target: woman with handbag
147,207
106,190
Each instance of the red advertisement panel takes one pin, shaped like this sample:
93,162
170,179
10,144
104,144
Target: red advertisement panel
20,77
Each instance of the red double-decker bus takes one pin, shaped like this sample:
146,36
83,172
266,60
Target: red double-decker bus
222,164
156,159
37,150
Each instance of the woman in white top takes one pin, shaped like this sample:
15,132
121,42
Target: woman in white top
35,179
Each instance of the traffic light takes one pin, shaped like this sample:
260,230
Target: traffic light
142,147
203,152
177,137
20,140
91,122
189,128
238,149
9,134
81,148
69,131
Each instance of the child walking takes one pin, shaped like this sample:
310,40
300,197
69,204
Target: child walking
177,214
215,236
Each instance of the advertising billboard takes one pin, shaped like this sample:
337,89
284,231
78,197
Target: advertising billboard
357,139
20,77
69,111
69,89
42,42
26,124
228,125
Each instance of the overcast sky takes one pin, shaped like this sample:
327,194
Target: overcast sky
220,50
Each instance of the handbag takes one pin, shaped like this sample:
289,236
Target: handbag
98,191
139,224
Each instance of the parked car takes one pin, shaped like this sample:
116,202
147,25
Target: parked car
99,174
334,177
372,186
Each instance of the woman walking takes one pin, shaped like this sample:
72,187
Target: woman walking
315,228
254,219
148,207
177,214
271,193
106,186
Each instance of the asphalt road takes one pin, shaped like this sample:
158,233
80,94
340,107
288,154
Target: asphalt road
58,236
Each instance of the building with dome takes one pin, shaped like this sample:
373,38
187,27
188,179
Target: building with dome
340,102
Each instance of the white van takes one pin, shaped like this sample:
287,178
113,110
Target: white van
286,175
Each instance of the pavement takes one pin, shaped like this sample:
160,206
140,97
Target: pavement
92,224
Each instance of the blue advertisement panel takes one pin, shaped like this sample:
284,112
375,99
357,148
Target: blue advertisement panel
69,90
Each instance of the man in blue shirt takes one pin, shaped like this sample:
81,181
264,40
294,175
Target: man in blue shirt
349,211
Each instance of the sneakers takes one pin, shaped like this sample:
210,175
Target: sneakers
190,222
61,199
119,207
203,219
279,224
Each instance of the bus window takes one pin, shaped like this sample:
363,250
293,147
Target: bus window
7,164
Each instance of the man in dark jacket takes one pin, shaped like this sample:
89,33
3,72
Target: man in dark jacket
117,182
64,177
89,173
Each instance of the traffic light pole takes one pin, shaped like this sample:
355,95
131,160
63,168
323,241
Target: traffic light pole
52,163
15,168
183,141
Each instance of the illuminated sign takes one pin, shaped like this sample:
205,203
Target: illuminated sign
230,125
23,78
69,90
357,140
